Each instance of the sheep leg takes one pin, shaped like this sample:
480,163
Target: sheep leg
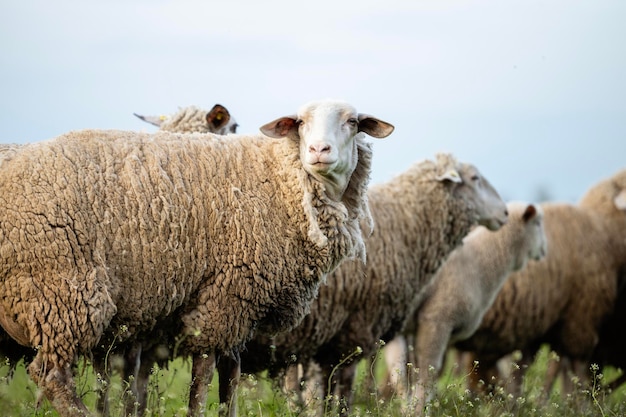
229,373
203,366
136,402
432,342
395,354
411,375
102,403
292,385
142,379
553,370
311,386
57,384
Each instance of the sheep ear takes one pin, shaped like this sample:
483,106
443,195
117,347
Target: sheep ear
620,200
529,213
280,128
153,120
218,116
451,175
374,127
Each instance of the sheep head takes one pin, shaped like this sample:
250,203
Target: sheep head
532,236
468,183
327,133
192,119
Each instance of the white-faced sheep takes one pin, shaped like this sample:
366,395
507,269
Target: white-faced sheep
193,119
563,299
101,230
466,285
420,217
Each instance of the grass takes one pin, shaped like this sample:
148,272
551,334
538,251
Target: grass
259,397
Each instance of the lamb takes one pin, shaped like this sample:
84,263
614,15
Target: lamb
123,229
543,303
420,217
193,119
466,285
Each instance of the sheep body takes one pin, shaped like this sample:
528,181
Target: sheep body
543,303
468,282
420,216
187,120
123,229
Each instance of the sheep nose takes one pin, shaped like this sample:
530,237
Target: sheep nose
319,148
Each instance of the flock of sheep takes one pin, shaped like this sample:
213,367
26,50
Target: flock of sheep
271,252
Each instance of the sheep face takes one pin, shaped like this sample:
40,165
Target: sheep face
327,132
219,121
538,247
533,237
489,208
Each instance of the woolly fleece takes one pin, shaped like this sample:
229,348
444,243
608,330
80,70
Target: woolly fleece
103,229
419,220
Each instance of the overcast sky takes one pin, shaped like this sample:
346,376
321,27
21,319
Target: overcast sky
532,92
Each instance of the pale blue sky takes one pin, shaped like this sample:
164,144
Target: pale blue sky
532,92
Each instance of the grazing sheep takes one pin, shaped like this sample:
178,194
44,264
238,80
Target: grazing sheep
466,285
192,119
420,217
109,230
563,299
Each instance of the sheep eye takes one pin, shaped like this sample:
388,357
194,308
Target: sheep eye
475,178
353,122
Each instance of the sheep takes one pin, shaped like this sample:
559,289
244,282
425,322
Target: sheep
107,234
192,119
187,120
544,302
466,285
420,216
